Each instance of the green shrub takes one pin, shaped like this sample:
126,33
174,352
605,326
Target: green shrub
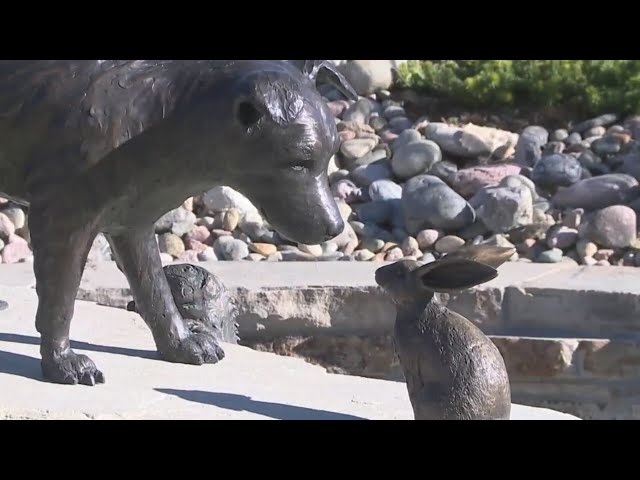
586,86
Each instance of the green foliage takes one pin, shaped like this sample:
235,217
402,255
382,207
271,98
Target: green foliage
587,86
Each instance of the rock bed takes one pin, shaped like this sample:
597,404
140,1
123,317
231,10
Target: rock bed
421,189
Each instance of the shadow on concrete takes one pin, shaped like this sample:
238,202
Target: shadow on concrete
20,365
29,367
91,347
279,411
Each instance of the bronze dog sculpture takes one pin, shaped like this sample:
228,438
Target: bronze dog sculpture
453,371
111,145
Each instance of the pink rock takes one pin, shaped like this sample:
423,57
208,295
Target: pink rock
338,107
189,256
195,245
16,250
468,181
612,227
388,136
200,234
346,135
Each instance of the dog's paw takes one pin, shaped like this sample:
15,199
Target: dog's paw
71,368
196,349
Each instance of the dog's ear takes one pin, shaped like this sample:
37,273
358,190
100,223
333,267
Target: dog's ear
275,96
323,71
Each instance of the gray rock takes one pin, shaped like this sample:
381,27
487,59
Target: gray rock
556,170
588,159
444,170
502,209
179,219
229,248
606,145
359,111
633,125
400,124
553,147
367,174
598,192
415,158
428,202
530,143
377,122
296,255
329,247
408,136
331,257
393,111
379,212
630,160
208,255
498,240
515,181
573,138
559,135
223,198
372,244
602,120
385,190
428,258
550,256
611,227
427,238
254,227
363,255
449,244
368,76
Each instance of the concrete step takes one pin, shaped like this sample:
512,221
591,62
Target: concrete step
246,385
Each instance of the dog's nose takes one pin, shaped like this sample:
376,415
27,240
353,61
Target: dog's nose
334,230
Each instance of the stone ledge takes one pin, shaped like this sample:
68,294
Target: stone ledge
301,298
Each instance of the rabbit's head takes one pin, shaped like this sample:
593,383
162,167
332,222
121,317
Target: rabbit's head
473,265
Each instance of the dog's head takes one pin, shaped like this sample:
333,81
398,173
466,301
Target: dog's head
285,136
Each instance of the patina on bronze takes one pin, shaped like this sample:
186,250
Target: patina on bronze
111,145
452,369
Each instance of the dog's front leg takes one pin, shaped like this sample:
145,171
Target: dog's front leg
138,257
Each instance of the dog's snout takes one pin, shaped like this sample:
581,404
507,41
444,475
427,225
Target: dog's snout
334,229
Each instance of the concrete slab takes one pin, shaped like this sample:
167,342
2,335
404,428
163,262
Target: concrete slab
245,385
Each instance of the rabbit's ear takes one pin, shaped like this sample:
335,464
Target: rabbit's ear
487,254
453,275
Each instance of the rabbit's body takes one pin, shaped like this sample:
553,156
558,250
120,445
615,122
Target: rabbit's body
453,371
